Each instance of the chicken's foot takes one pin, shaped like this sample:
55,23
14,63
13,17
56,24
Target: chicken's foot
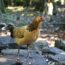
18,62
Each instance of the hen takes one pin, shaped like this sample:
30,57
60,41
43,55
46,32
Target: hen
25,35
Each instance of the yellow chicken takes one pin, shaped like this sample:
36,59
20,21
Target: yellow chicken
25,35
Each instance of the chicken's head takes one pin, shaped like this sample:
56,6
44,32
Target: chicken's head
36,23
38,20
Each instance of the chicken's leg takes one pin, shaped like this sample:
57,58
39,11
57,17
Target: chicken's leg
29,54
18,54
18,62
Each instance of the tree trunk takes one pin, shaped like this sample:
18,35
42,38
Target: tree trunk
30,3
12,3
2,6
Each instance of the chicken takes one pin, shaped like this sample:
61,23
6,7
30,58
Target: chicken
26,35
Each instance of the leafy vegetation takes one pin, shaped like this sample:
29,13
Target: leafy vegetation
38,4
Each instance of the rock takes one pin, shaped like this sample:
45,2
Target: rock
59,58
52,50
60,44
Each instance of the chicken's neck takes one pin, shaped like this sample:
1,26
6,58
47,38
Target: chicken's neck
32,27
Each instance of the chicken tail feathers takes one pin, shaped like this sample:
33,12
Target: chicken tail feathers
10,28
